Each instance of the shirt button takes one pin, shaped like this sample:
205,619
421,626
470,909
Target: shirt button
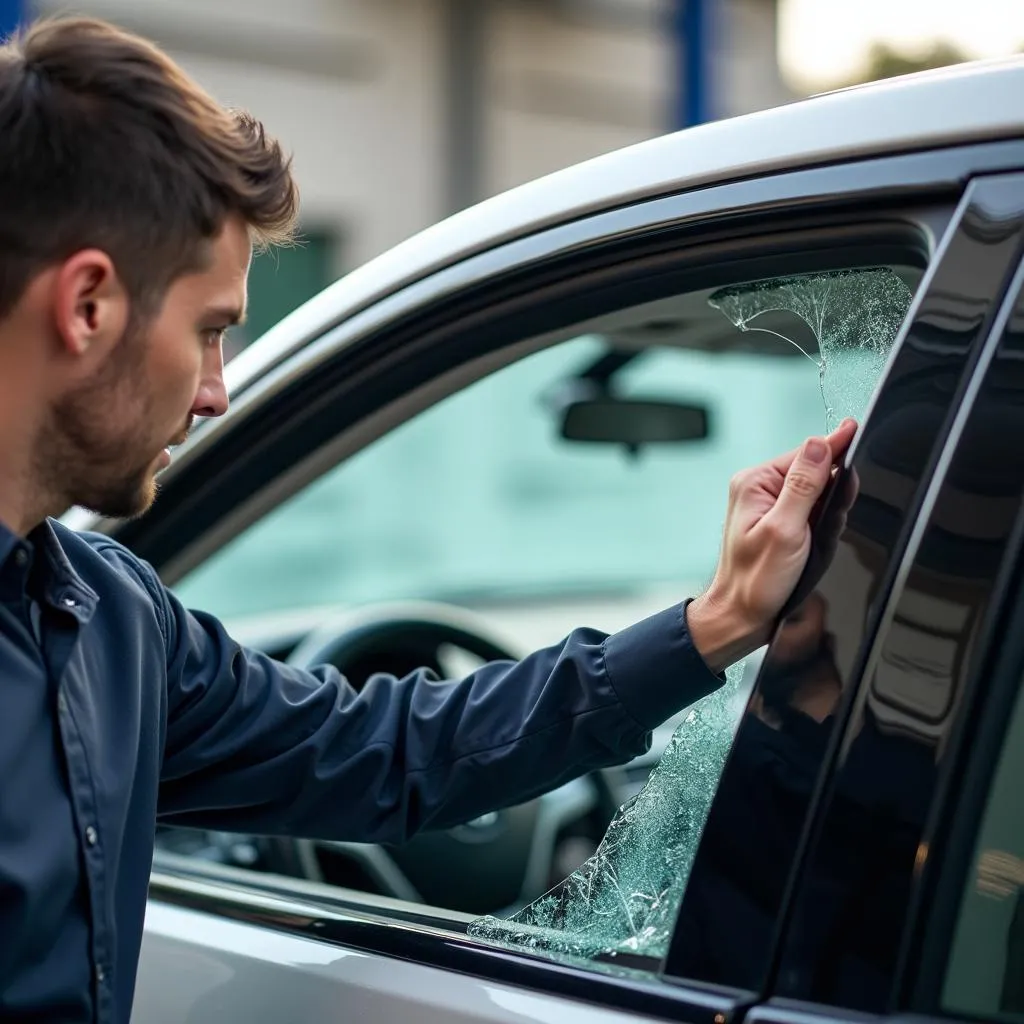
69,602
62,703
100,973
91,836
20,558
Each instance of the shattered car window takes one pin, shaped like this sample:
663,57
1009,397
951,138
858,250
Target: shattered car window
626,897
845,322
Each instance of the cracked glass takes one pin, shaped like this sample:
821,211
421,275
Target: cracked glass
844,322
622,902
624,899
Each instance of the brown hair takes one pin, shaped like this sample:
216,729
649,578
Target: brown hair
105,142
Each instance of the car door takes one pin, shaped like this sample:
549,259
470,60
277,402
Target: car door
911,234
908,899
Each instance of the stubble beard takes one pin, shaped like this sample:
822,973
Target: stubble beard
89,454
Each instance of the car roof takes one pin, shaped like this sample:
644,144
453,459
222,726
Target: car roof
968,102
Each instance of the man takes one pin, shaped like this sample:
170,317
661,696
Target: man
130,200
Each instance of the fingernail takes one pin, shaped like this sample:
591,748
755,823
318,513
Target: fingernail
815,450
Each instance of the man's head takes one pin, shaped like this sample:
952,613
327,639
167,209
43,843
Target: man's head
799,670
131,201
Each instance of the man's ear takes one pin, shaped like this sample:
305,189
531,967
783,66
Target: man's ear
91,306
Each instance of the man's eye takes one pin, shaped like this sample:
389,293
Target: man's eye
214,335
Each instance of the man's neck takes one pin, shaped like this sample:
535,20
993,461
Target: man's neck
30,489
25,500
18,512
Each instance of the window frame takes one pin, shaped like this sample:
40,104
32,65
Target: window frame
811,196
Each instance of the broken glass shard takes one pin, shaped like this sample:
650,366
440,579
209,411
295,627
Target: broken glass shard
844,321
625,898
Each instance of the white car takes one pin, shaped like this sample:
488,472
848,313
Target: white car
525,419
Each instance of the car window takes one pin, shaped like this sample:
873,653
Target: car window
985,975
583,484
480,498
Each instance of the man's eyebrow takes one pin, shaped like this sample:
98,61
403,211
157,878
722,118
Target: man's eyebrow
229,315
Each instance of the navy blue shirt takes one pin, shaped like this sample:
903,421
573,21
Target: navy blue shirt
122,708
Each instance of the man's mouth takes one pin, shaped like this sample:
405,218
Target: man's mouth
165,455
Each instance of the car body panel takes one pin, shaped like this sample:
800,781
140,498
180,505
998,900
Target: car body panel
244,972
412,950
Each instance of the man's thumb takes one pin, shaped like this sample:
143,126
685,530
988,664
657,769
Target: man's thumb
805,482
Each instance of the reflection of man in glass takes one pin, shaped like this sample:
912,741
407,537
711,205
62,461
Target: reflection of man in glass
728,913
855,884
799,674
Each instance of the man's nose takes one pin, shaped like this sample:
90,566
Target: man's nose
212,396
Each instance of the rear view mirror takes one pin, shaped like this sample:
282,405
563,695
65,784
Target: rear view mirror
634,423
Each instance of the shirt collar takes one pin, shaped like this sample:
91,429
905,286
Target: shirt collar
38,565
62,587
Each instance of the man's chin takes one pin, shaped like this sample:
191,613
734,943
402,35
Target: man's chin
144,497
779,680
127,503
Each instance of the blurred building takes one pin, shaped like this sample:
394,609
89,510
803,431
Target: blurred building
401,111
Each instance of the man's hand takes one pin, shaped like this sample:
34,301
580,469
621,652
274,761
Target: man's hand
766,547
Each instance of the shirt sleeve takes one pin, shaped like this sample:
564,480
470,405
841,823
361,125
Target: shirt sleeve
254,745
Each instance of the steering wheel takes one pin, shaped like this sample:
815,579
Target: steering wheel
498,861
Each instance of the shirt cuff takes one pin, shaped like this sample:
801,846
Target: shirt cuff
655,669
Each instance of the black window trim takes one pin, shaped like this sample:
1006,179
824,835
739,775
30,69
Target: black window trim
977,743
977,677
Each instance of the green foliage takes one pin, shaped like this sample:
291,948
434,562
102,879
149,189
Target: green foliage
886,62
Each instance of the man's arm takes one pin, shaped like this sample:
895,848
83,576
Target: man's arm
254,745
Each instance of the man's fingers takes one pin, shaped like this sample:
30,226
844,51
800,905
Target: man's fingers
838,441
806,479
767,543
840,438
